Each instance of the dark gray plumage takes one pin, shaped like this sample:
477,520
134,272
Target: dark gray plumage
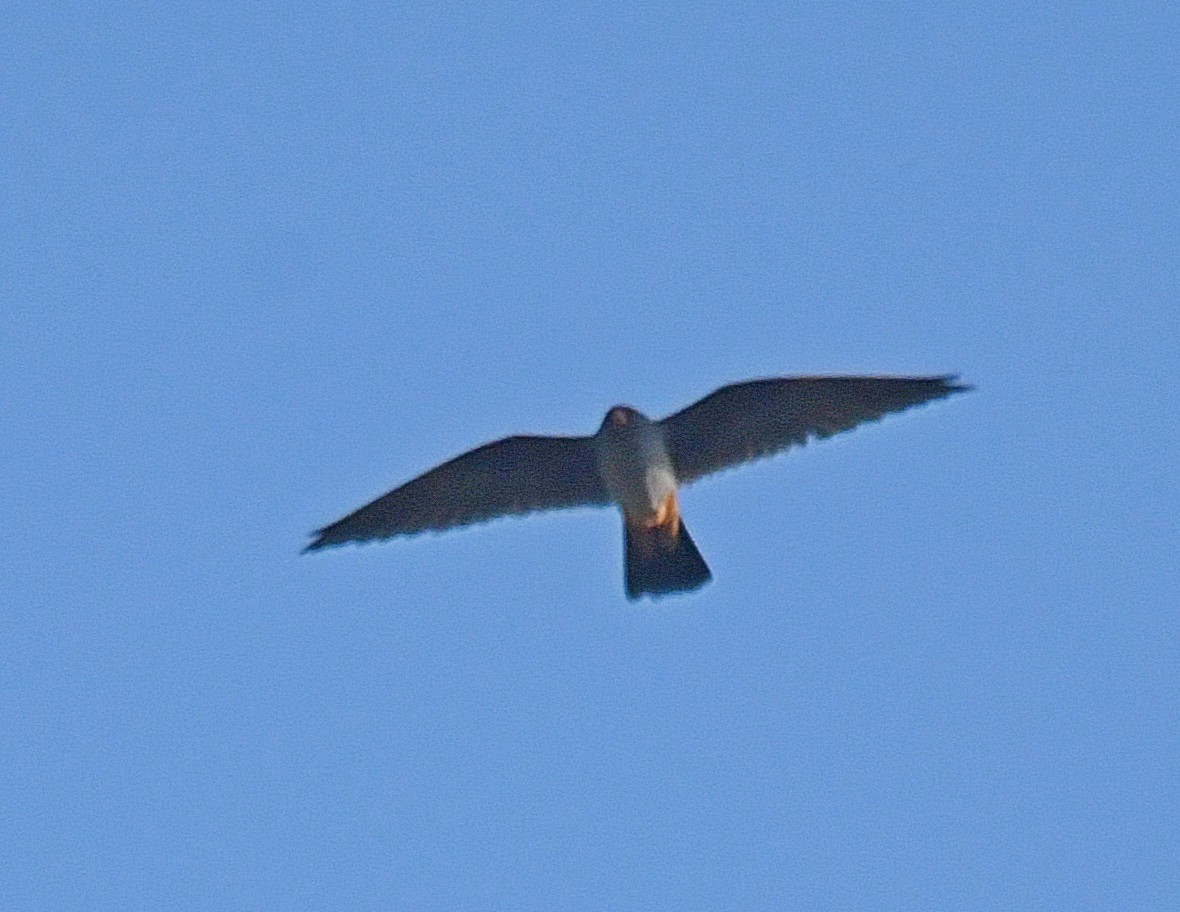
637,464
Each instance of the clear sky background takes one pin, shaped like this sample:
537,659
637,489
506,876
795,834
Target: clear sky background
261,262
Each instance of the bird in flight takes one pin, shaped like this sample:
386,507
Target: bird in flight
638,465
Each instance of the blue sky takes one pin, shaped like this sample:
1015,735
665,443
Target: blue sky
261,263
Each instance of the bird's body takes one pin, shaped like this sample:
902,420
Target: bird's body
634,464
637,471
637,464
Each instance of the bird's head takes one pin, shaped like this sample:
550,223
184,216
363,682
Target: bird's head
621,417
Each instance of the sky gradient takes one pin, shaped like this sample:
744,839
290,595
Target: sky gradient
260,264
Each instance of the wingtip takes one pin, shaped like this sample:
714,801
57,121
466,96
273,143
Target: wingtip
951,385
318,544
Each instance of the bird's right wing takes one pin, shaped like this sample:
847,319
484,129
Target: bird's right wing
750,420
513,475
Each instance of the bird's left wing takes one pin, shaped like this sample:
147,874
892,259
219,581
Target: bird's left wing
513,475
749,420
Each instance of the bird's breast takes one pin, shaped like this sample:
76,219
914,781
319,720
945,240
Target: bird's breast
635,468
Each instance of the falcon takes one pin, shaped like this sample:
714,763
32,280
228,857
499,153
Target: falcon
638,465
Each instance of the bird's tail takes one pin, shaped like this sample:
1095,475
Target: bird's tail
662,558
